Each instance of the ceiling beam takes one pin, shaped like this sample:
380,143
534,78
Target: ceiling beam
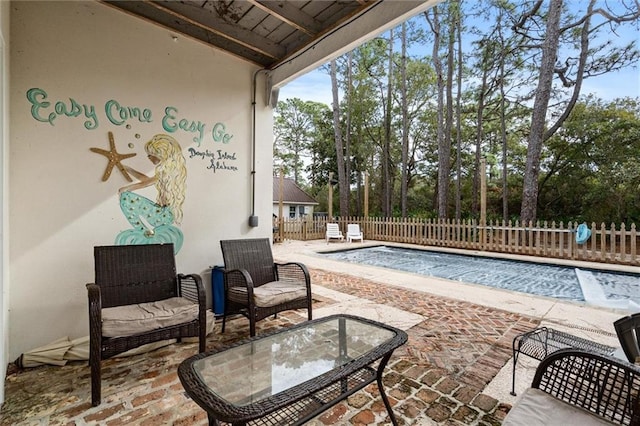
289,14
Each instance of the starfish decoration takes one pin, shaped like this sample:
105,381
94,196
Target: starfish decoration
114,159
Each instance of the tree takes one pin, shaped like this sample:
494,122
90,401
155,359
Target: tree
444,150
343,184
293,130
396,114
457,27
589,169
387,183
405,124
571,73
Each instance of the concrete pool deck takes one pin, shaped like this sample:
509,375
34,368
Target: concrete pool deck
577,318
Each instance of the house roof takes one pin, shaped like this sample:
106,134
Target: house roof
290,36
291,193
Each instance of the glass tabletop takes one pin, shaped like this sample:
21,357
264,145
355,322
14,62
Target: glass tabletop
261,368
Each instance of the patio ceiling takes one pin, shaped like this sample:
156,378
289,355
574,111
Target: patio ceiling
287,37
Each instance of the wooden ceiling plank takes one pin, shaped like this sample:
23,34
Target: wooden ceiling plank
247,55
230,32
288,13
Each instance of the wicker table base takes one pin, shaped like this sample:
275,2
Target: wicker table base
543,341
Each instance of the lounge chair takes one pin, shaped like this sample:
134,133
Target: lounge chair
256,287
628,331
354,232
333,232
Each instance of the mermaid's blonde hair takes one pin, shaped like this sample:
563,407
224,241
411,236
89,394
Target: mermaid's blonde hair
171,173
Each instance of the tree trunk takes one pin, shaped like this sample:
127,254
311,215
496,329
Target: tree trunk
347,137
503,128
405,124
387,183
444,151
342,181
442,189
479,137
540,104
458,30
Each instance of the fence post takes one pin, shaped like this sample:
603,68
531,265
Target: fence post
612,237
623,243
632,243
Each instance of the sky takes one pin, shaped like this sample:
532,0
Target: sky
316,85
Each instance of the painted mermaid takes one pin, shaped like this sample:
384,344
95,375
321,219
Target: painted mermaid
153,222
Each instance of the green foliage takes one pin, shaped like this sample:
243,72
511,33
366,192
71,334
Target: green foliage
589,168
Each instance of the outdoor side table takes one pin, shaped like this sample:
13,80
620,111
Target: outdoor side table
543,341
290,376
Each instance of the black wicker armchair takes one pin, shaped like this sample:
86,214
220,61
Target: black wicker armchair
628,331
130,283
574,387
256,287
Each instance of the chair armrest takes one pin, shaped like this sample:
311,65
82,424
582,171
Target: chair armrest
95,318
293,271
238,278
190,287
604,385
95,302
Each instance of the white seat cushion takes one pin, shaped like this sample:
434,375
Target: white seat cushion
537,408
128,320
270,294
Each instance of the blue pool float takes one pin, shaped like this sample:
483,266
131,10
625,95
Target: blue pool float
582,233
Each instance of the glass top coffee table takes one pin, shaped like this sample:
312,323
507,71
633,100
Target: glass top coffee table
290,376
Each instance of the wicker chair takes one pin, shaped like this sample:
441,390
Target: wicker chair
256,287
142,278
575,387
628,331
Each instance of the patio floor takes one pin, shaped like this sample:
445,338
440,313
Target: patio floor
454,370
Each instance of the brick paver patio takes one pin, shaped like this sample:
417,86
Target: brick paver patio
436,378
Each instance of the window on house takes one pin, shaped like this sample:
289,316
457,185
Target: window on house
292,212
301,210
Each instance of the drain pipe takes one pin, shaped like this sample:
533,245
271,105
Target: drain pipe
253,219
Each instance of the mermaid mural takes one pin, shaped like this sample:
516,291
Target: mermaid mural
153,222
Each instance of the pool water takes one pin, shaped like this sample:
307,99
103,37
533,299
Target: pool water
611,289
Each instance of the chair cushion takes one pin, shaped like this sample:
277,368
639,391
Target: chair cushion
537,408
270,294
133,319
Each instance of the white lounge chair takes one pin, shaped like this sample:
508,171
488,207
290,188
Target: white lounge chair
354,233
333,231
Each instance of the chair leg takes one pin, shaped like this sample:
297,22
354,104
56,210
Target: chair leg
202,338
96,381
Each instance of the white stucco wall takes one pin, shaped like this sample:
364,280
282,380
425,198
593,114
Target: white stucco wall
59,208
4,190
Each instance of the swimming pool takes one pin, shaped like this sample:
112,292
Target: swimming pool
610,289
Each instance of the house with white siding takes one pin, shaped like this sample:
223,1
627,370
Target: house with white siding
296,203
